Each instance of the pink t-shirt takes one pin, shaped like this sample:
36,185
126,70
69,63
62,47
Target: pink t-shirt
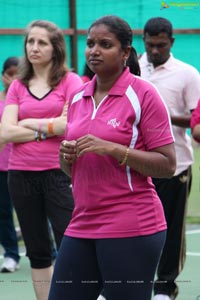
195,119
4,154
114,201
41,155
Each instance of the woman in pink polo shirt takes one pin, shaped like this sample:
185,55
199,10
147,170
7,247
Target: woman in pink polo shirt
34,120
195,123
118,135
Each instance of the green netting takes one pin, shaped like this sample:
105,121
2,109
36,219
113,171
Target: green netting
18,13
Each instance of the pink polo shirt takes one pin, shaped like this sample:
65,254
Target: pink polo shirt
4,154
179,85
195,119
114,201
43,155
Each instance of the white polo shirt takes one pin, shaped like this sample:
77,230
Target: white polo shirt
179,85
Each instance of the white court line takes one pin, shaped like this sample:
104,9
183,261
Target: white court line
187,253
195,231
192,253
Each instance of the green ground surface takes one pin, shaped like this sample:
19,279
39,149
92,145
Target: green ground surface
193,212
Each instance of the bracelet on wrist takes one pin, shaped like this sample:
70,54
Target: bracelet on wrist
37,136
43,136
50,126
124,160
39,126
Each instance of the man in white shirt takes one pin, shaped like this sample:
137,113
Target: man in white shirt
179,85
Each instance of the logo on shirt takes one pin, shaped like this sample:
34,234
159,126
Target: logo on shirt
114,123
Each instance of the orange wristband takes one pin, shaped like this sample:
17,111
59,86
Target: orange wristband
50,126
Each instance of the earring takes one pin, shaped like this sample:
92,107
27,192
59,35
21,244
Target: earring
125,63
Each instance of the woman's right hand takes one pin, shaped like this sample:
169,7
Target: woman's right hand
67,155
68,151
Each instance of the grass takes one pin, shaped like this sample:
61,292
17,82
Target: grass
192,220
193,212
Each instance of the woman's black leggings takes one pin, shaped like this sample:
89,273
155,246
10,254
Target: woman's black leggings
40,197
123,267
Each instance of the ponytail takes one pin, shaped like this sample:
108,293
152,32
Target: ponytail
132,62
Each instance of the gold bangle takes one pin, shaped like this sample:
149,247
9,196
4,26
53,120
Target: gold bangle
125,157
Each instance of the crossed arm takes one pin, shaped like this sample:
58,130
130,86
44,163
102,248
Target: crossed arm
25,130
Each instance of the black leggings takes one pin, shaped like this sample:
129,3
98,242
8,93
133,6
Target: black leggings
39,196
123,267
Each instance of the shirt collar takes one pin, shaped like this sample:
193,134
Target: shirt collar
167,65
118,88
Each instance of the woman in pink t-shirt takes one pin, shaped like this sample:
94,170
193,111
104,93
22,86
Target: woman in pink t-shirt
34,120
8,236
118,135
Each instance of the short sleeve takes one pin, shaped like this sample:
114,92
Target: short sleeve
195,118
71,83
12,96
155,121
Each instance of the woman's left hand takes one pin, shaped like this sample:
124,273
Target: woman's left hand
91,143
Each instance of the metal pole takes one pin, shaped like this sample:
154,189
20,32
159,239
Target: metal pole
73,37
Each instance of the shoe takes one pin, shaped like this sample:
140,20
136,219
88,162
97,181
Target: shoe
9,265
101,297
161,297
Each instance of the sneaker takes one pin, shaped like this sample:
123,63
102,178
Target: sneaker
161,297
9,265
101,297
